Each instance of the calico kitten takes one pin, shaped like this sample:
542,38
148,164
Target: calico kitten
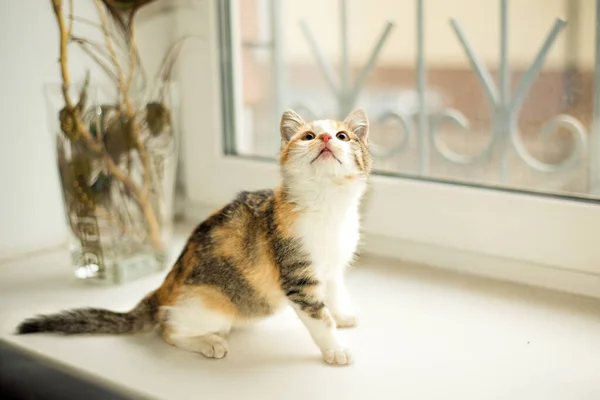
260,252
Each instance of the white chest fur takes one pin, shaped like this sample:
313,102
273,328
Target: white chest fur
328,227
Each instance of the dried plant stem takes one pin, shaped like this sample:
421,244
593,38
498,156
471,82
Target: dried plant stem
124,88
95,25
99,47
110,45
132,59
102,212
84,46
116,40
70,18
137,136
142,196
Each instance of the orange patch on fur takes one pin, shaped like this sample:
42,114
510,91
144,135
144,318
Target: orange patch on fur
259,270
227,241
166,290
190,257
264,275
285,214
212,298
165,293
345,180
185,265
285,151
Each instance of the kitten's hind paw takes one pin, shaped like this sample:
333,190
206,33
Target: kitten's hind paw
345,321
213,346
338,357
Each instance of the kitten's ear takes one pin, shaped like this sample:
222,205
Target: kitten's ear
290,124
358,123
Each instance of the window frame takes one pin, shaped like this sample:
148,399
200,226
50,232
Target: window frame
539,240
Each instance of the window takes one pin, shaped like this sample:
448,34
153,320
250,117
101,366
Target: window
483,121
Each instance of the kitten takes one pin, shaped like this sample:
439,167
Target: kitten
260,252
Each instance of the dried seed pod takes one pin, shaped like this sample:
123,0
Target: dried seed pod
118,137
67,123
81,168
157,117
75,175
68,116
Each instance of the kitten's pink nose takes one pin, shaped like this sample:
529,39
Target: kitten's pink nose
326,137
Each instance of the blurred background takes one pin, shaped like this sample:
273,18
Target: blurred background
486,93
281,67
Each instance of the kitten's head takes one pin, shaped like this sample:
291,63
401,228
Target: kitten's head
325,148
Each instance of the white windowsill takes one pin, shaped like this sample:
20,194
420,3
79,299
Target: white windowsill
423,334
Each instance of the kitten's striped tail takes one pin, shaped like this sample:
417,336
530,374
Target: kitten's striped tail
95,320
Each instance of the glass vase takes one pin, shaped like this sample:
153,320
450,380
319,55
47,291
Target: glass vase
117,163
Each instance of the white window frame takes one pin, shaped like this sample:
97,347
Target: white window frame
538,240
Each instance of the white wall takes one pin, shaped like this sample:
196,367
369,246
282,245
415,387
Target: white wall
31,212
30,203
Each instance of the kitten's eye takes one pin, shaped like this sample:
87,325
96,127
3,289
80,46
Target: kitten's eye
308,136
342,136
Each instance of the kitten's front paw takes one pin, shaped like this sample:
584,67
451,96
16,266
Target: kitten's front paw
345,321
338,357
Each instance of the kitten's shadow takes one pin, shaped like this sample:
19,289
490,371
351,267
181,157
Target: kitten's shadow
247,348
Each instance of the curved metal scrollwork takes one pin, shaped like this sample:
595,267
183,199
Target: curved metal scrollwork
345,92
407,127
458,119
504,105
567,122
505,108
